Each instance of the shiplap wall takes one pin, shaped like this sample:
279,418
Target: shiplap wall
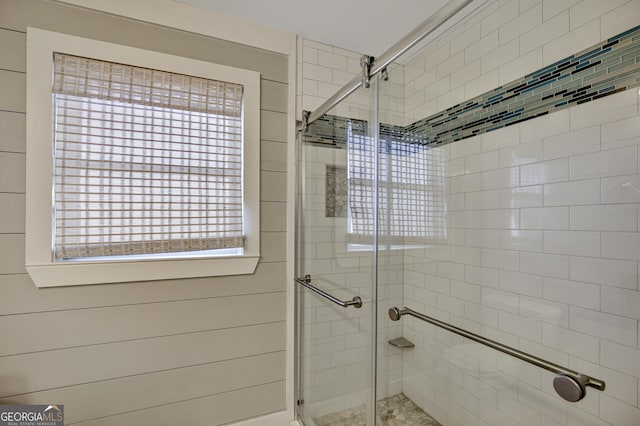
201,351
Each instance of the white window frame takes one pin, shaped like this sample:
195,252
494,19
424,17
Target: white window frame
39,261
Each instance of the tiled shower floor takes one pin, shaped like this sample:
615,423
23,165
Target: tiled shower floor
397,410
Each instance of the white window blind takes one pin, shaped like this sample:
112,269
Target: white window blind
146,162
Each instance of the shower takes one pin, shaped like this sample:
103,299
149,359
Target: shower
467,228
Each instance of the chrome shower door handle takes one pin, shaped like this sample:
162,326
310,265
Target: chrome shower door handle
305,281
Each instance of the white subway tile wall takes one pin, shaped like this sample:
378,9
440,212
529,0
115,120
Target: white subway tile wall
548,210
323,69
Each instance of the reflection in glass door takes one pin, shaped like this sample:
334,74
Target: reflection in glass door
336,232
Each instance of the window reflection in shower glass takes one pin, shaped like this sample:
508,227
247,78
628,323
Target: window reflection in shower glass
411,190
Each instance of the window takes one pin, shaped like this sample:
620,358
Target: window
152,160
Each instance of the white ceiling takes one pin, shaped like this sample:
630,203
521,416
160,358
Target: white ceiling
364,26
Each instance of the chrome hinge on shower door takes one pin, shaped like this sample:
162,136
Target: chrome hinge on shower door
366,62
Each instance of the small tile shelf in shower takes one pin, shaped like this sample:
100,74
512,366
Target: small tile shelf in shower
401,343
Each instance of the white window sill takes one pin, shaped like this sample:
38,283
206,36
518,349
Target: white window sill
81,273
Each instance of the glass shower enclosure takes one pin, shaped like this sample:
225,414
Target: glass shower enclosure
465,251
336,342
352,243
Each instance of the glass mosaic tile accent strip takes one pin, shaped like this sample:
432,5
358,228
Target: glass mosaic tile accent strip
604,69
335,130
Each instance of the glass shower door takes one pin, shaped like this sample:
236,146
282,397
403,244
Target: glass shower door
337,258
517,202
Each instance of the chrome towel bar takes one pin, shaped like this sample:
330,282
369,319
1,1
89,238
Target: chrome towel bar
305,281
569,384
